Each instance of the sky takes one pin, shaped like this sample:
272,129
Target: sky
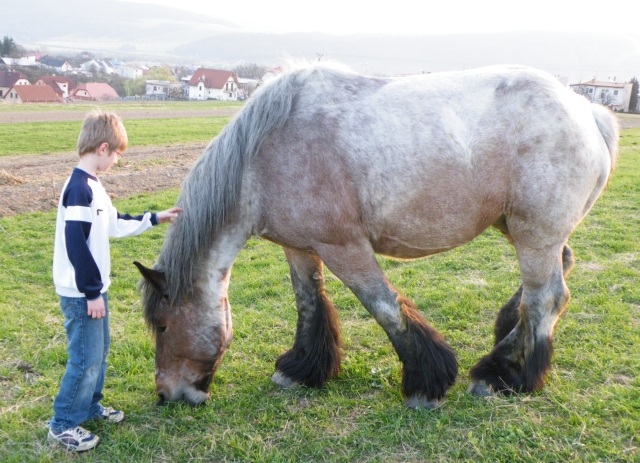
418,17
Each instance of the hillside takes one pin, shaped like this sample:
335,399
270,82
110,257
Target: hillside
133,31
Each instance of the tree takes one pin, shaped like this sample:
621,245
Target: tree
135,87
8,47
633,101
160,73
250,71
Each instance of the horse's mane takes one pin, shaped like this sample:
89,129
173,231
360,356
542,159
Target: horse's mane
211,190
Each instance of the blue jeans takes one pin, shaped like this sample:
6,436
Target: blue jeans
81,388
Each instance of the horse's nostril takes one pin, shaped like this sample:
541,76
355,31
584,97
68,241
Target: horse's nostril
162,400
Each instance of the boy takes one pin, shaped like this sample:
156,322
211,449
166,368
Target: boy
81,269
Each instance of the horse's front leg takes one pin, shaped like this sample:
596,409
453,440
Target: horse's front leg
521,359
315,356
429,363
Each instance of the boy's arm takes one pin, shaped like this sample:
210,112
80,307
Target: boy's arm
128,225
88,279
78,220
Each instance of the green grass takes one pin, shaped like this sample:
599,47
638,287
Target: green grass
52,137
80,106
589,411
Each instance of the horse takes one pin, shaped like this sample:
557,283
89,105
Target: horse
336,167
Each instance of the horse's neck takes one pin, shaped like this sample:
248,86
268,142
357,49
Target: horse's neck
214,281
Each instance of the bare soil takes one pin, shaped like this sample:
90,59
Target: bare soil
33,183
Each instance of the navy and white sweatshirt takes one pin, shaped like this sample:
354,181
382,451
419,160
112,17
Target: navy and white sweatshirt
86,220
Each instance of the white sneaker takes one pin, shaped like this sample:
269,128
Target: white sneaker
76,439
111,415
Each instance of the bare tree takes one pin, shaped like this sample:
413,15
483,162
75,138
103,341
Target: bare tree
250,71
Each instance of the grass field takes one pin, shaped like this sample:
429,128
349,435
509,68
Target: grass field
53,137
589,411
118,106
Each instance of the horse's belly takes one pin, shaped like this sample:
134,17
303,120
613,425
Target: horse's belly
422,228
408,246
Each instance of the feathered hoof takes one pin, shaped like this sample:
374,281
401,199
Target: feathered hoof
420,402
283,381
481,389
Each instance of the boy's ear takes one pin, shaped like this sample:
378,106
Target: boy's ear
103,146
155,277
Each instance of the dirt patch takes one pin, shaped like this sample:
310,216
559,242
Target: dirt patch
33,183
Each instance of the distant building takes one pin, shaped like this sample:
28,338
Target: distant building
10,79
164,89
130,72
95,91
615,95
63,86
59,65
213,84
31,94
97,66
23,61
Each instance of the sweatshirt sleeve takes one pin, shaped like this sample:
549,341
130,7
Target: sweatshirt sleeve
129,225
78,221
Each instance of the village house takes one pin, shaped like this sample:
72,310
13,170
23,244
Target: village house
97,66
163,89
213,84
31,94
95,91
615,95
63,86
10,79
58,65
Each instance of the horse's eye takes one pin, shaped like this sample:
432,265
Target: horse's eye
161,329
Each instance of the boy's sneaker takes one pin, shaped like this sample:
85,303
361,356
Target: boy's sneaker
111,415
76,439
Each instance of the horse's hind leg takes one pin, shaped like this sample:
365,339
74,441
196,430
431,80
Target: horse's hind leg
315,356
521,359
429,363
509,314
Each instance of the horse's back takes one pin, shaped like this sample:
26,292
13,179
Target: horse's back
425,163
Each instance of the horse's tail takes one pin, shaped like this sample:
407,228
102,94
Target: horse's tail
211,190
609,129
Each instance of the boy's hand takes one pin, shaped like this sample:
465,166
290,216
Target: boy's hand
96,308
169,215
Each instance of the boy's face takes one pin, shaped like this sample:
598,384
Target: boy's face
107,157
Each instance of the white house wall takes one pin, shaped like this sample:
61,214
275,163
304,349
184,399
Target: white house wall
200,92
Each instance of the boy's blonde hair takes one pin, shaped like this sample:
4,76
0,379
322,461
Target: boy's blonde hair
102,127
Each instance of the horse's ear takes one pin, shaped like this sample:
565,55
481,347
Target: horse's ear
155,277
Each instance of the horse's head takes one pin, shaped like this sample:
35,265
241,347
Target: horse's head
191,337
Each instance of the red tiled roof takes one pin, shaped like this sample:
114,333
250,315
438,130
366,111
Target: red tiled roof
213,78
97,91
8,78
35,94
53,81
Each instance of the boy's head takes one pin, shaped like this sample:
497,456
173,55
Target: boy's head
101,127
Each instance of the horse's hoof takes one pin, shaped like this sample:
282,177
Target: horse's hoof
419,402
481,389
284,381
